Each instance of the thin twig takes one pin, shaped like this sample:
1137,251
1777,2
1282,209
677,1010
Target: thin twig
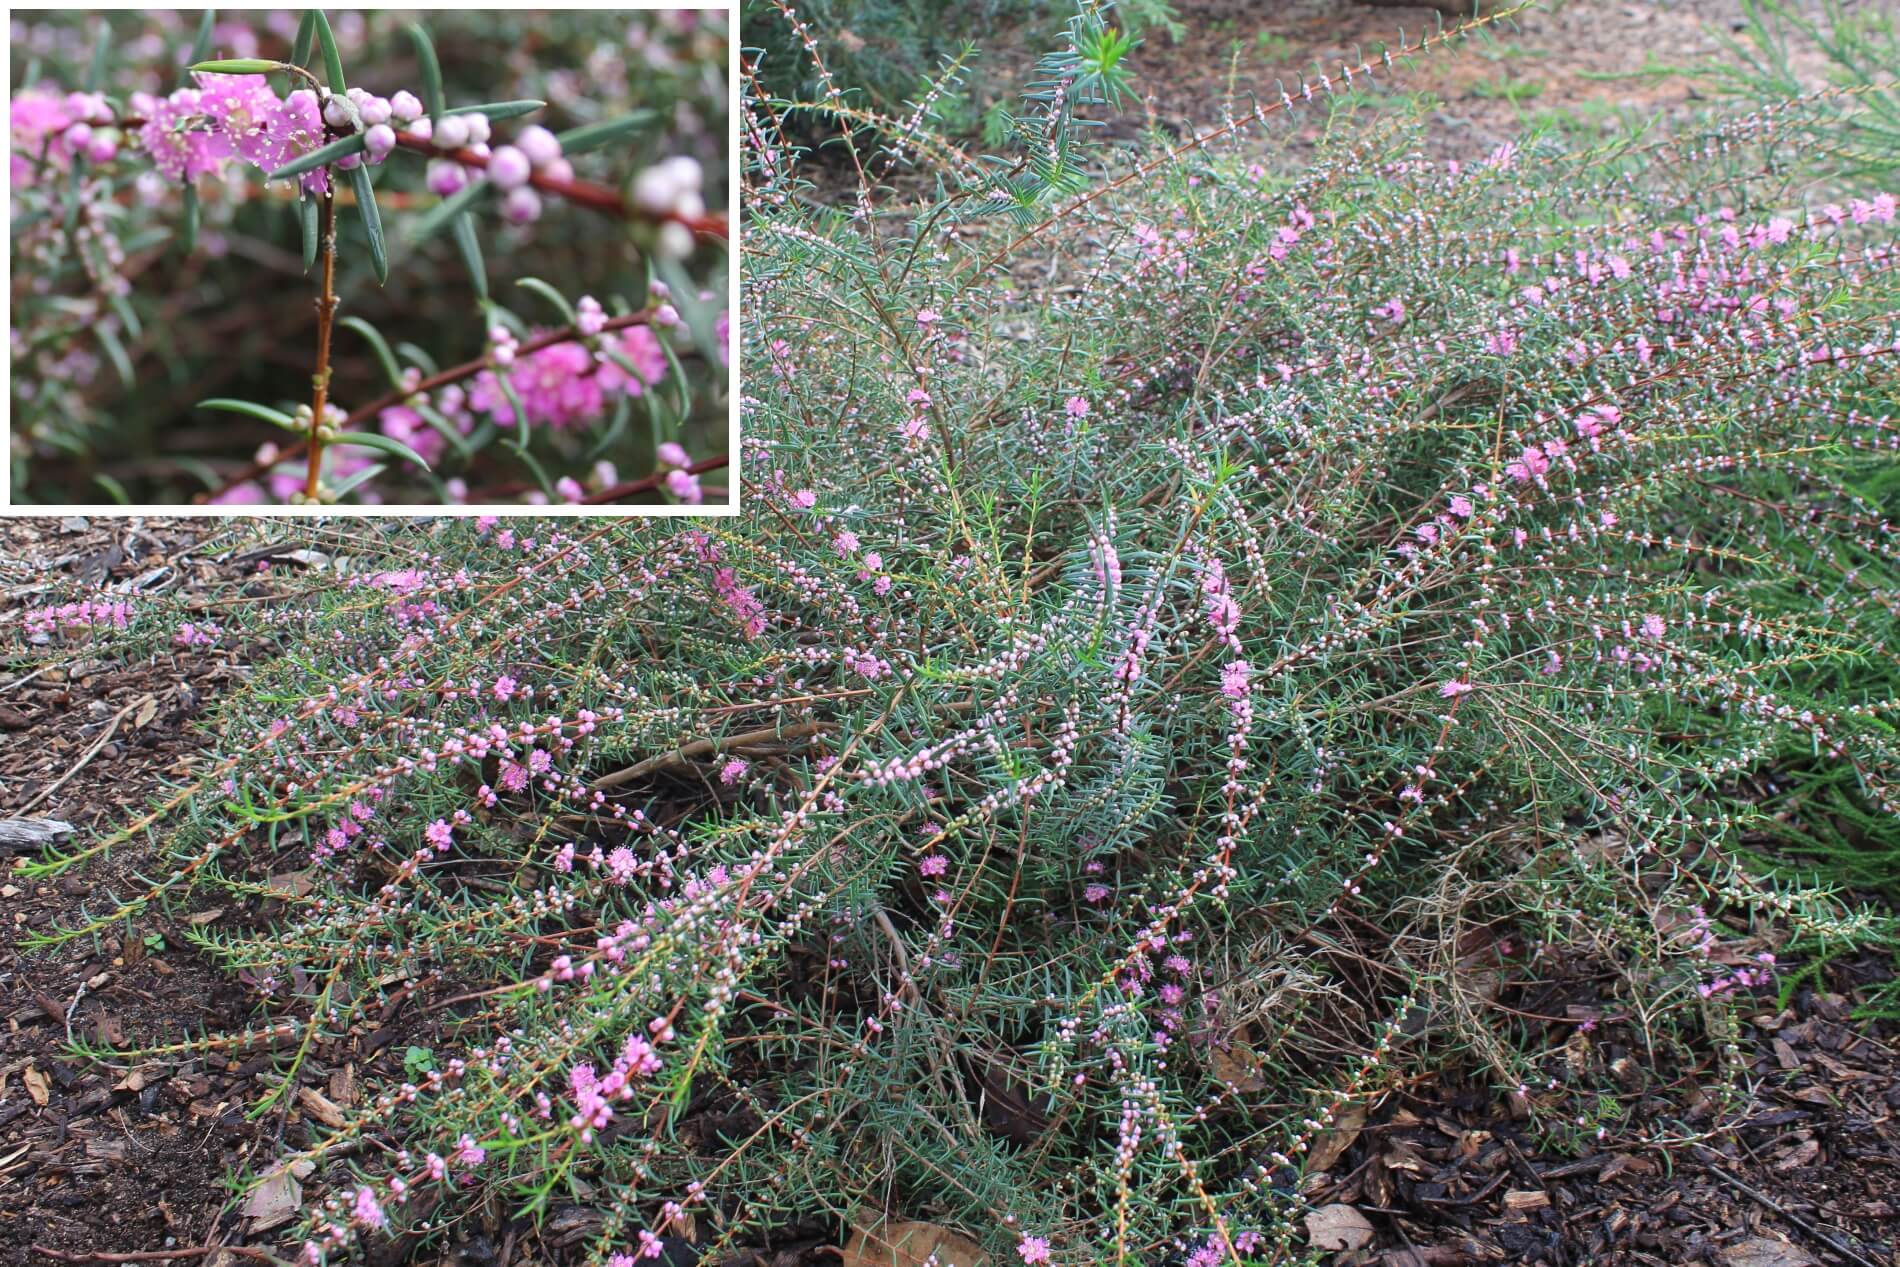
1708,1155
320,381
155,1255
702,747
111,728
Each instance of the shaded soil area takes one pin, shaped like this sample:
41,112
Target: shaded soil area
128,1157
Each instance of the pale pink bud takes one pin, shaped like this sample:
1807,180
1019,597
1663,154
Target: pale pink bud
477,127
508,167
379,140
376,110
446,178
522,206
452,132
404,108
79,135
540,145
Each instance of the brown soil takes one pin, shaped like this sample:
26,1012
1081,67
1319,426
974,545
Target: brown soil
95,1158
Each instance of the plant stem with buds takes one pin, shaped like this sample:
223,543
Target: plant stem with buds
326,309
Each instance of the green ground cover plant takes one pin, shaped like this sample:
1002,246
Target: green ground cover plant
1202,638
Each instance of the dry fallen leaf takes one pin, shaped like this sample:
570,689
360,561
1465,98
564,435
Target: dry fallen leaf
148,709
877,1243
201,918
37,1086
1330,1147
320,1106
1338,1226
1765,1251
276,1200
1238,1066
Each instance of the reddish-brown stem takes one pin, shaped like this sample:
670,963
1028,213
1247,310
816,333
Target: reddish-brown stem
598,197
584,193
454,374
647,483
326,309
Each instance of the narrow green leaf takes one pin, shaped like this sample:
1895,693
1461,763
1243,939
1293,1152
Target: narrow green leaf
381,346
534,468
351,144
201,42
355,481
448,430
127,315
552,295
307,212
496,110
306,32
382,444
188,236
431,72
264,412
594,135
471,248
438,217
237,66
96,72
372,221
417,357
114,489
332,63
116,350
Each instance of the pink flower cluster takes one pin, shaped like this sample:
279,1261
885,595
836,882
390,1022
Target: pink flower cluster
41,623
61,128
565,384
246,120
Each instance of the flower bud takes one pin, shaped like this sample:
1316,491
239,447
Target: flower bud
666,316
379,140
477,127
404,108
654,190
103,148
348,161
672,453
79,135
376,110
676,240
335,113
540,145
559,169
452,132
686,172
508,167
422,128
445,178
477,148
522,206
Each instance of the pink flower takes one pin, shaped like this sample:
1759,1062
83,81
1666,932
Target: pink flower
927,317
1033,1250
366,1211
1461,506
1452,690
731,772
1076,407
933,864
1653,626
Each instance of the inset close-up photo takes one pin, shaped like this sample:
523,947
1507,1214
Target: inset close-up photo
279,258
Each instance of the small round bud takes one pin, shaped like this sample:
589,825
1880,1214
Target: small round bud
348,161
686,172
540,145
102,149
404,108
666,316
503,355
676,240
500,334
477,127
559,169
672,454
79,135
654,190
422,128
522,206
445,178
477,148
379,140
376,110
452,132
357,95
508,167
335,113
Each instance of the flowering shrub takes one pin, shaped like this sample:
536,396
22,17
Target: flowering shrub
1131,721
91,166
